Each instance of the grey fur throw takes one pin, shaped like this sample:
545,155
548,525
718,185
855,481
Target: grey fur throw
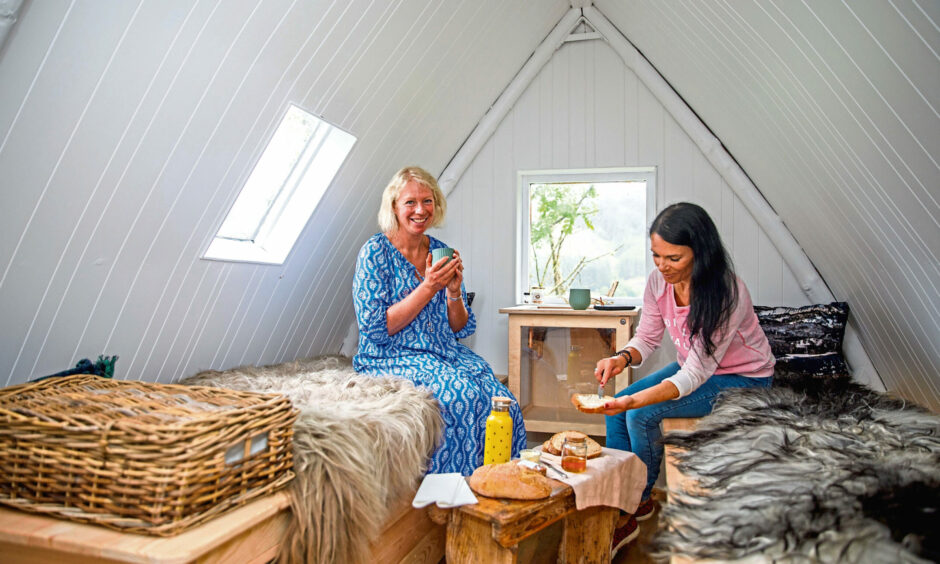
360,443
811,470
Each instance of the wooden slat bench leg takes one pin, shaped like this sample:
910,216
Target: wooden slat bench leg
674,479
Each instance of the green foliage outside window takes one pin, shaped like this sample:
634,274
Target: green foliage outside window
587,235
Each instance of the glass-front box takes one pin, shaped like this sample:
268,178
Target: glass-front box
554,364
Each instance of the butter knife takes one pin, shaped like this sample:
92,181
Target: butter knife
552,466
600,390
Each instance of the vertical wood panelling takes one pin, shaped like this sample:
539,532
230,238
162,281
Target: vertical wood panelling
560,111
576,105
832,110
683,174
609,105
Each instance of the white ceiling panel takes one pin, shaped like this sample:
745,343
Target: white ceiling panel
832,109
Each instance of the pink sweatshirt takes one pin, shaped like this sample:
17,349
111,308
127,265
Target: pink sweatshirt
740,348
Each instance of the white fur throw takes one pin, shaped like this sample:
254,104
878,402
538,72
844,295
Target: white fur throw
360,443
811,470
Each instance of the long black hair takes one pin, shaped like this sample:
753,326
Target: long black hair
714,292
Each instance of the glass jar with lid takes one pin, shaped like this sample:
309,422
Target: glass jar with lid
574,454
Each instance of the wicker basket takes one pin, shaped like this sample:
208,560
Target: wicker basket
140,457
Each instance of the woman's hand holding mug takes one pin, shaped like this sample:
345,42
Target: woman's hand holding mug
442,273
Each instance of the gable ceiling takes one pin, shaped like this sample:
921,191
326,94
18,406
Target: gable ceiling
127,129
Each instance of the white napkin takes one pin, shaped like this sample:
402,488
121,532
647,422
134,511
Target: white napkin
615,479
447,490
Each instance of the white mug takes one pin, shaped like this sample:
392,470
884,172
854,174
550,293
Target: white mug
536,294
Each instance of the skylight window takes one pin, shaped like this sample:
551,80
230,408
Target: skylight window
282,191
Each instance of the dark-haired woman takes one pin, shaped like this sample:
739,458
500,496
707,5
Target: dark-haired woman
696,296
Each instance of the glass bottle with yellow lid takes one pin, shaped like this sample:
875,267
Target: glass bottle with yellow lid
497,447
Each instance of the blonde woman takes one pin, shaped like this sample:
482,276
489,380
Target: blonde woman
412,312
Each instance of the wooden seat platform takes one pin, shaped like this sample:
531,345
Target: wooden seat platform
249,534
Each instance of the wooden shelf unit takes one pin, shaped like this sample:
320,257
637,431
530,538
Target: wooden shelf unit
552,411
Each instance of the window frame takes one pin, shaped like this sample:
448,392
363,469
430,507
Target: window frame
569,176
254,250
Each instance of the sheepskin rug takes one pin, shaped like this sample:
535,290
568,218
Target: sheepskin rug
811,470
360,443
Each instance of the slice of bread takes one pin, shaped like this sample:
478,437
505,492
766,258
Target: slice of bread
553,445
590,403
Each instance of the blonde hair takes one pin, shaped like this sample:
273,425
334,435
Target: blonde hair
388,222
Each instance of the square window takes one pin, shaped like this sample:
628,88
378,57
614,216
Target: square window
283,189
585,229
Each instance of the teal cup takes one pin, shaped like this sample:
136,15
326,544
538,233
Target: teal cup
438,254
579,298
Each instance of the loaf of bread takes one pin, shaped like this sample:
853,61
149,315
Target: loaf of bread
510,481
553,445
590,403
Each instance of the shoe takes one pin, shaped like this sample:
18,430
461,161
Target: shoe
624,535
645,510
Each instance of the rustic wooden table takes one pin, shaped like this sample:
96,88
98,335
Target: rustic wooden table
491,530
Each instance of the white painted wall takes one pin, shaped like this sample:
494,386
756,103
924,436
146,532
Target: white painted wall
586,109
128,126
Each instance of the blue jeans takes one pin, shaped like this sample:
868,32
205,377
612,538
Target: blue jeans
637,430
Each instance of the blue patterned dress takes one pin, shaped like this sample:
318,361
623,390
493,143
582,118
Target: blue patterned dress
427,353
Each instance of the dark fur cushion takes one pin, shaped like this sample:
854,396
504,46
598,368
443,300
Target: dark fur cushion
806,339
812,470
825,364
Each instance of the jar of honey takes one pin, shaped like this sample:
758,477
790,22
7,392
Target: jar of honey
574,454
497,446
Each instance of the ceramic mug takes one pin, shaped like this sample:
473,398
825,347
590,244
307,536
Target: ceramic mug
579,298
536,294
439,253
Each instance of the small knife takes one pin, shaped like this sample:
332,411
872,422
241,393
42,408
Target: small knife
554,469
600,390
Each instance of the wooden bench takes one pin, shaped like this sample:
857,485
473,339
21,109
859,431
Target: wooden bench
249,534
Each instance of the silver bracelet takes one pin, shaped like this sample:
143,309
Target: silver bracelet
454,299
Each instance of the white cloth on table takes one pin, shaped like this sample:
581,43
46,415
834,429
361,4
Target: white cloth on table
615,479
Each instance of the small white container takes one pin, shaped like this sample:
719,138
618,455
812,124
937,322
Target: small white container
537,294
